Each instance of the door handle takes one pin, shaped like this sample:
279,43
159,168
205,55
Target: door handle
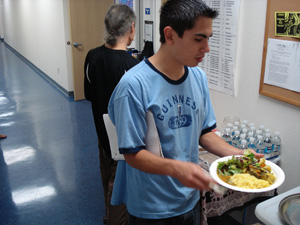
75,44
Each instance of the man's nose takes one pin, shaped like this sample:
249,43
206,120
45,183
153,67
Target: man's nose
205,48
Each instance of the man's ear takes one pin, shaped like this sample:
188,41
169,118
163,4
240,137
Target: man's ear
132,26
169,32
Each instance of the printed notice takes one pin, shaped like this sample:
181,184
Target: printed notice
218,64
283,64
287,24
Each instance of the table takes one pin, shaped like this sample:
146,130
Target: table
213,204
267,211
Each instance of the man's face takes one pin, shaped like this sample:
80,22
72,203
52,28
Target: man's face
191,48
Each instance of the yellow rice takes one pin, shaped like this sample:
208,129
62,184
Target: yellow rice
247,181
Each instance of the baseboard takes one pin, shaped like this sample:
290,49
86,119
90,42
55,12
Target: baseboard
40,72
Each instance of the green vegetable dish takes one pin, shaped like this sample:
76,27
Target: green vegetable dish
246,171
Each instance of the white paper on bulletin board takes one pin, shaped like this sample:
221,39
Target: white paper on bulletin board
283,64
218,64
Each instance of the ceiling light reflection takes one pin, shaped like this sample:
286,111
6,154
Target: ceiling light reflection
6,114
6,124
3,100
17,155
33,194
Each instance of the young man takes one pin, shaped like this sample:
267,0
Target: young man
165,190
104,67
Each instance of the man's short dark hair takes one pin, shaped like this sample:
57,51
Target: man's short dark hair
182,14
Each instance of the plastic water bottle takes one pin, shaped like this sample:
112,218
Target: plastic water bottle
229,125
252,128
262,129
243,144
242,137
260,147
234,129
246,123
257,132
268,146
251,125
236,138
267,130
227,135
251,143
242,127
250,135
276,144
245,131
237,124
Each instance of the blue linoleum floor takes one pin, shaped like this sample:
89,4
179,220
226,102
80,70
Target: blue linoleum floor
49,166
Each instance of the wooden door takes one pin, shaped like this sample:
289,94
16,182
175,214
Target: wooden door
87,29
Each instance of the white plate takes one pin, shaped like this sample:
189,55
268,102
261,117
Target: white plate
276,170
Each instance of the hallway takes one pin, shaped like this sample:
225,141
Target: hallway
49,166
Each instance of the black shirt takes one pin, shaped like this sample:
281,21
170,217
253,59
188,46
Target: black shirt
103,69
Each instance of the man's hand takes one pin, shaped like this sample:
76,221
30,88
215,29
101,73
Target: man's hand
191,175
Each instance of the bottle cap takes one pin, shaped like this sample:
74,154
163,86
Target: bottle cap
229,124
259,137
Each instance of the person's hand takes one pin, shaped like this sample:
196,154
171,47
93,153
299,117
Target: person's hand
191,175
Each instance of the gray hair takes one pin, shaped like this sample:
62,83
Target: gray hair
118,22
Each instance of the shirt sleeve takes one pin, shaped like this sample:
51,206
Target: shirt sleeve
126,112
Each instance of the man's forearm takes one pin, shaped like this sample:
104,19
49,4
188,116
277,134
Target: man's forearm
213,143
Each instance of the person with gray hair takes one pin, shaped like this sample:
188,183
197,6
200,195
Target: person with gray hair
118,21
104,66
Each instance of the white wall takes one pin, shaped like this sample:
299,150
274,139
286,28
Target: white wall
36,29
249,104
154,6
1,20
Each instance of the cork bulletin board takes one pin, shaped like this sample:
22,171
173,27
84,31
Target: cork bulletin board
273,6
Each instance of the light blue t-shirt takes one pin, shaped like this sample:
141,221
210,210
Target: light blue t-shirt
182,112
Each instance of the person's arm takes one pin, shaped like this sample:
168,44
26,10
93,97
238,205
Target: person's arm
216,145
189,174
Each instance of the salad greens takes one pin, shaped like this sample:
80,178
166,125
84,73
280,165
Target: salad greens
240,164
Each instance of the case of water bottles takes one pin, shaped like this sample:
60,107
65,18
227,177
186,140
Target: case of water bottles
244,135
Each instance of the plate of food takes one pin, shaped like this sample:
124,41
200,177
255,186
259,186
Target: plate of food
247,174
